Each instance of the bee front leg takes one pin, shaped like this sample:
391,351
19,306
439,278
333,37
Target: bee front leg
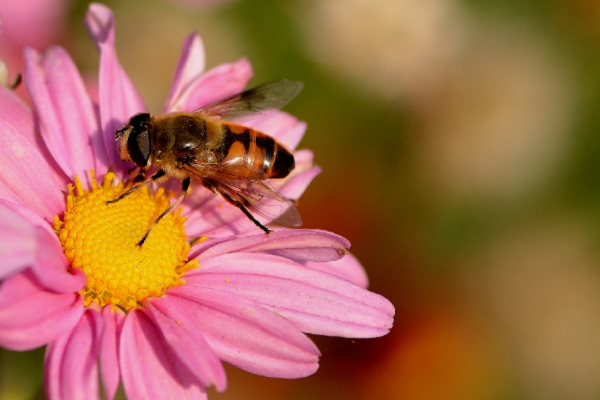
140,176
151,179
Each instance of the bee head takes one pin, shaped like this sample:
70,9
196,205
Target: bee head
134,140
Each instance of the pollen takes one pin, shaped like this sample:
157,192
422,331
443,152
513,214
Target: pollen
102,241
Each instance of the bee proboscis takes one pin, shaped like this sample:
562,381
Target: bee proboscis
230,159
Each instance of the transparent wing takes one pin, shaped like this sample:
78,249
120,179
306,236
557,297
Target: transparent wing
257,101
255,193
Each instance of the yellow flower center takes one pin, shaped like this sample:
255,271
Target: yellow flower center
102,240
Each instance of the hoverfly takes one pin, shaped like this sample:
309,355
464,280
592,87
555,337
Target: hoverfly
228,158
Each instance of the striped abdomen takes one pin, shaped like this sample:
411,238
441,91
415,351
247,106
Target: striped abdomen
246,150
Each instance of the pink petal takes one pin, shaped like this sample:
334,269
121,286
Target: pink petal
300,244
296,185
51,266
52,367
118,98
149,368
189,69
26,178
304,160
65,113
99,21
17,112
315,302
14,110
71,368
17,242
28,215
189,345
281,126
27,241
348,268
245,334
31,316
109,359
218,83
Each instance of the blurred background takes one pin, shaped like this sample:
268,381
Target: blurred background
460,146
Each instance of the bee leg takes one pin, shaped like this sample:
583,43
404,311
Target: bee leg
239,205
251,217
141,175
185,190
154,177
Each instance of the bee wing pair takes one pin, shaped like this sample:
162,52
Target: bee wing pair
253,191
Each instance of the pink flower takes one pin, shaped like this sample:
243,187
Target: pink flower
161,325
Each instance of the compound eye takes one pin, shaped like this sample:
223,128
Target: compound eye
138,146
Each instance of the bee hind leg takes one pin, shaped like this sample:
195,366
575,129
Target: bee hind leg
209,185
246,213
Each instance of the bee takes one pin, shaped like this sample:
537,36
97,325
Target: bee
228,158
